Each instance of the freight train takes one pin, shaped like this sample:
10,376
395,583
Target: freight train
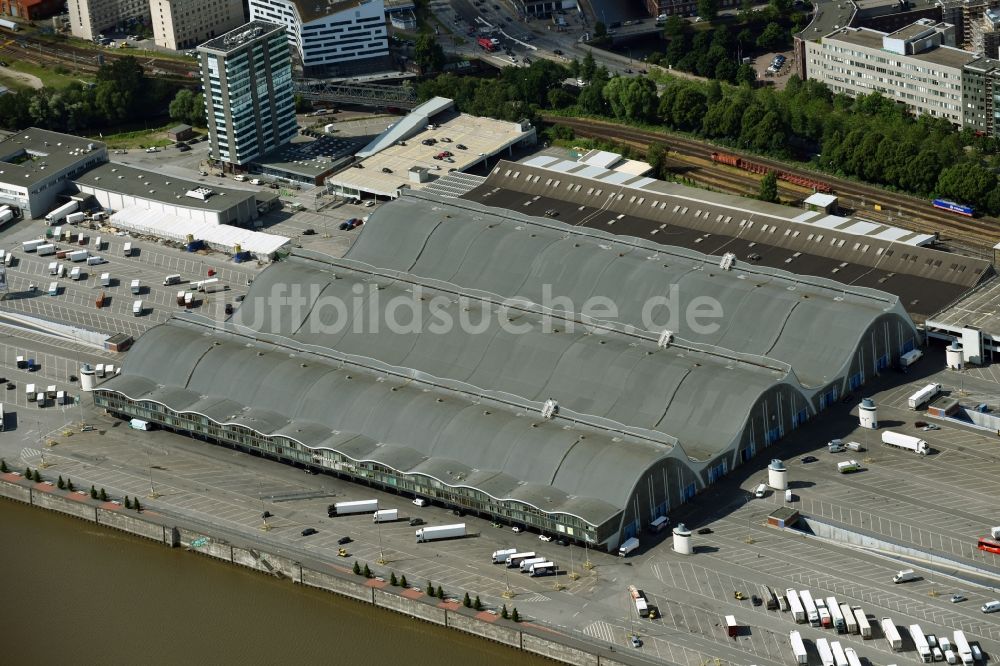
754,167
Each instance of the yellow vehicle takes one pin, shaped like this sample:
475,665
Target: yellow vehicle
342,552
739,596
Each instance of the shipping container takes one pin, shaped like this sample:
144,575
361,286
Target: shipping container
46,250
383,515
795,605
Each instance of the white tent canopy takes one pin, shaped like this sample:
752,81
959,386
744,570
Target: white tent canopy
220,237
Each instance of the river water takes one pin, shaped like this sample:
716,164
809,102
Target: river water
81,594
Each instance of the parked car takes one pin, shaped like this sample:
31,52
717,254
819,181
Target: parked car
309,531
544,537
956,598
809,459
705,530
930,426
636,642
344,540
416,521
515,529
309,232
755,600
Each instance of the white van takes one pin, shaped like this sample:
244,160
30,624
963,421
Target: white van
137,309
991,607
835,446
420,502
760,491
239,178
171,279
906,575
127,250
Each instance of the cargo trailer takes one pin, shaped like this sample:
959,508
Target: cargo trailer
812,614
920,642
905,442
891,634
839,657
137,309
441,532
825,653
732,628
864,627
515,559
525,565
75,218
62,211
105,279
962,647
836,616
850,621
501,555
852,657
135,287
382,515
798,648
628,546
794,605
46,250
356,506
78,255
53,289
545,569
924,395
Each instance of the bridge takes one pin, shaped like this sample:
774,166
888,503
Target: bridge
366,94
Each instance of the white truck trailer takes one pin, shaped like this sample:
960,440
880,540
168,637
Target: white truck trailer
839,656
920,642
61,212
794,605
76,218
382,515
515,559
849,619
892,636
864,627
525,565
923,395
501,555
812,614
546,569
798,648
441,532
825,653
852,657
628,546
905,442
32,245
961,647
348,508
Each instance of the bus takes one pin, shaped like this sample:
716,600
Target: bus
989,545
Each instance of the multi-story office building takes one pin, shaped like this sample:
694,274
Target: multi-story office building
183,24
913,66
986,34
249,103
88,18
329,33
981,95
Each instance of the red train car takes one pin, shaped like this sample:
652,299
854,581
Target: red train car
754,167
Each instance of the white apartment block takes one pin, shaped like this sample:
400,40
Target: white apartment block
909,66
329,32
183,24
89,18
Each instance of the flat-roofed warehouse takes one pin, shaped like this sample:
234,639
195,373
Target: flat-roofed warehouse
531,407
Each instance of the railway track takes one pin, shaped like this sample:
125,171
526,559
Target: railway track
976,236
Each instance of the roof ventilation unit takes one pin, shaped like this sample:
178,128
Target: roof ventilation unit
666,337
549,409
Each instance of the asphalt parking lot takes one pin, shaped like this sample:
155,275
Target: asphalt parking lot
939,503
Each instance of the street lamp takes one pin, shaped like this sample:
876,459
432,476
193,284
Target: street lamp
263,512
507,593
378,525
149,466
749,538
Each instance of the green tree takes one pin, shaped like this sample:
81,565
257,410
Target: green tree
104,495
514,615
968,183
768,187
69,484
773,37
402,581
631,98
430,589
503,612
367,572
28,474
600,30
38,476
128,502
93,492
656,156
708,9
302,105
427,53
357,568
188,107
3,466
440,593
61,484
477,604
675,26
136,505
588,67
467,600
392,579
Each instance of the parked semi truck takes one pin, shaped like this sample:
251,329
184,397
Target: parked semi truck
850,621
905,442
798,648
825,653
347,508
794,605
812,614
501,555
525,565
628,546
515,559
923,395
864,627
61,212
920,642
385,516
839,623
839,656
441,532
961,647
852,657
825,619
891,634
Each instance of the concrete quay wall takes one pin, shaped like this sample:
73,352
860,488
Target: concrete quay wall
344,584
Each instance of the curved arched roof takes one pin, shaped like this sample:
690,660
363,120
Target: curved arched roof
806,322
509,455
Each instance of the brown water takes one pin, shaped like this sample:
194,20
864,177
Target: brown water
76,593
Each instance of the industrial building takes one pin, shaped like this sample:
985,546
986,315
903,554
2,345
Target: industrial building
37,167
31,10
533,407
183,24
329,33
118,188
249,102
399,159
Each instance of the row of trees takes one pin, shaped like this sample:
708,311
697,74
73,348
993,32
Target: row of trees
870,138
122,93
